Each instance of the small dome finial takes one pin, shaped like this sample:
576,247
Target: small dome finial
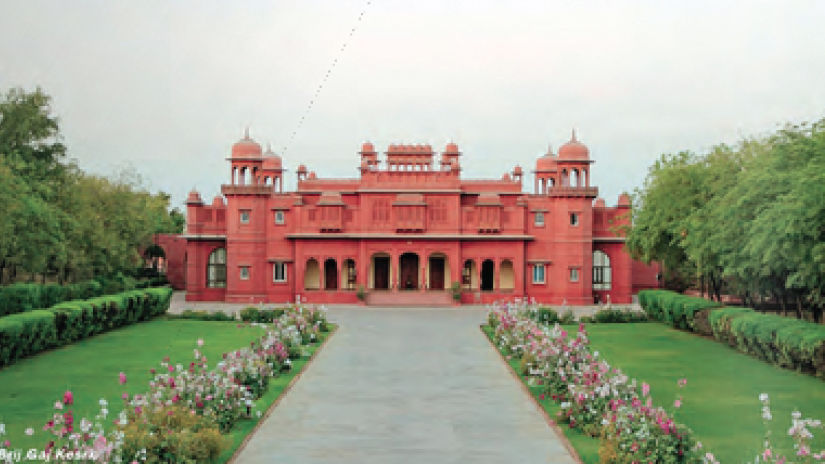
573,137
246,133
549,149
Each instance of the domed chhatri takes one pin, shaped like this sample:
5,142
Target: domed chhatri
547,162
574,150
246,147
271,159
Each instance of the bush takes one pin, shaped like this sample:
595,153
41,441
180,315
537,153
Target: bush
546,315
789,343
173,435
673,308
206,315
21,297
618,316
253,314
33,331
26,333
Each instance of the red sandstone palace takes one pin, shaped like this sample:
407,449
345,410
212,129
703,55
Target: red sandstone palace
409,231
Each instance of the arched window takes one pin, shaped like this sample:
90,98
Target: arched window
602,277
216,269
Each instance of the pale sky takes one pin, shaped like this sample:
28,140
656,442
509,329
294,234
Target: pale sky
167,87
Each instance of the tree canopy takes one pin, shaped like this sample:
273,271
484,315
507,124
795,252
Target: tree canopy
58,221
749,219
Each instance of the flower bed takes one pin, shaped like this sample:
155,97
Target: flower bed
601,401
189,407
594,397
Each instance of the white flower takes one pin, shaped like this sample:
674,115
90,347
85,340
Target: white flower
763,397
29,431
796,415
103,403
2,429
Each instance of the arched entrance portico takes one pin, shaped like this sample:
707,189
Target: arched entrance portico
408,271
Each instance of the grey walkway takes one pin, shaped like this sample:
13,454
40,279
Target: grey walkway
406,385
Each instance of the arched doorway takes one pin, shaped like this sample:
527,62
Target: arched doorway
330,274
312,275
438,271
506,280
408,271
487,275
380,271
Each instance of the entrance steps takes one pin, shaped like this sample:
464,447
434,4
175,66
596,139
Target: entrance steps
408,298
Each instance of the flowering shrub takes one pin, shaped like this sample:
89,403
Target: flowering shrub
81,440
171,435
594,397
800,433
188,406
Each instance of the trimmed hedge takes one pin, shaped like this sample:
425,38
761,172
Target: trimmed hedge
30,332
21,297
674,308
614,316
786,342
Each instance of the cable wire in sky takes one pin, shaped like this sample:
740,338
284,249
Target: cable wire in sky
320,87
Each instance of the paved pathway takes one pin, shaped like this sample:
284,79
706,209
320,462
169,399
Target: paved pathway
406,385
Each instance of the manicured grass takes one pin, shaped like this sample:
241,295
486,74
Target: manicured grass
586,446
721,402
90,367
277,387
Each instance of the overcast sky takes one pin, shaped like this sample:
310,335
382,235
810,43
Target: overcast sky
167,87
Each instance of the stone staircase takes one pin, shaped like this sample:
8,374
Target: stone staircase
409,298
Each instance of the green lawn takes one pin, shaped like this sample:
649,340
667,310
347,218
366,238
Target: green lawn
90,367
721,402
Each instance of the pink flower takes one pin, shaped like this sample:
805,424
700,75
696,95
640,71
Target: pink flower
68,398
122,378
677,403
200,342
7,444
682,382
171,368
645,389
58,405
766,454
125,396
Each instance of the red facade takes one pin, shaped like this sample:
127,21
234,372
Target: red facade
408,231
